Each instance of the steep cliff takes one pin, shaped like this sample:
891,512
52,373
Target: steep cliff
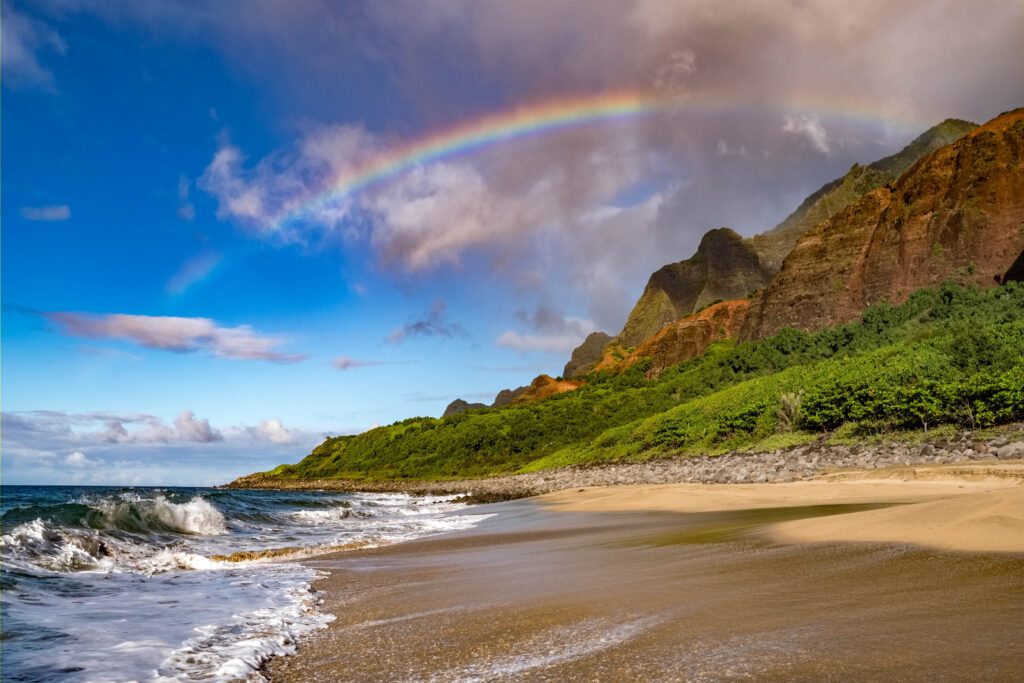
727,266
773,246
586,354
679,341
957,212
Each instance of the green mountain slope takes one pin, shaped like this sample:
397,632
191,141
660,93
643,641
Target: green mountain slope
947,355
727,266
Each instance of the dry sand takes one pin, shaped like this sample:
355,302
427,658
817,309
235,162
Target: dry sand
684,584
975,507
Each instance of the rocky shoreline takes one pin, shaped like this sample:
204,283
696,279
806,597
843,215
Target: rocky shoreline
806,461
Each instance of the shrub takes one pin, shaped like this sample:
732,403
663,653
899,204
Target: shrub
788,410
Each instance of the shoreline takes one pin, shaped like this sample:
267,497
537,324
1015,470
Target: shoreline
797,463
685,582
978,507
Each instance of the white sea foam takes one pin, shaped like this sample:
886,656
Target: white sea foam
196,516
551,648
38,545
138,562
236,649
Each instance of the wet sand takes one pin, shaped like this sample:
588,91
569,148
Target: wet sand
975,507
554,594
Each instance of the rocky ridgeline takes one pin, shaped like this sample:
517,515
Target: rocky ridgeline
799,462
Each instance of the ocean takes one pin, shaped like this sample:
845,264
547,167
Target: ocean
133,584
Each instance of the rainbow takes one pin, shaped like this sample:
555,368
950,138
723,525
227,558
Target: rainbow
466,137
545,117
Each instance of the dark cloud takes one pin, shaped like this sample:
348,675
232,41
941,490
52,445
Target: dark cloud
434,323
775,98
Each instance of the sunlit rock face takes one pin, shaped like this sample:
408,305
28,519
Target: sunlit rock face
958,213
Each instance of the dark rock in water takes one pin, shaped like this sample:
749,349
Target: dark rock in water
506,396
586,354
459,406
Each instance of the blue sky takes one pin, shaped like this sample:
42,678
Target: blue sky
157,330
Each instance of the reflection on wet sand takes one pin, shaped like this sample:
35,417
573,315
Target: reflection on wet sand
538,594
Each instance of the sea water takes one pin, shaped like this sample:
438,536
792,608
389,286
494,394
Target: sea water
123,584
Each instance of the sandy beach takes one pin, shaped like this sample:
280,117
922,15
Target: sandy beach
975,507
912,573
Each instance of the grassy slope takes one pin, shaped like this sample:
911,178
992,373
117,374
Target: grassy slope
945,357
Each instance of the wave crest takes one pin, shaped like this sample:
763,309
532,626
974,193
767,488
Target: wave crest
196,517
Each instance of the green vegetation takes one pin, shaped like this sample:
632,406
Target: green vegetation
947,356
788,411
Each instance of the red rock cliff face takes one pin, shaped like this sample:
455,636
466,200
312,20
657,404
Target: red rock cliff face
682,340
544,386
956,213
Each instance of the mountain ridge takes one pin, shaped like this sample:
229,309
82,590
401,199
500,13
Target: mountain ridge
679,289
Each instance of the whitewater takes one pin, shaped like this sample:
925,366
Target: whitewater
143,584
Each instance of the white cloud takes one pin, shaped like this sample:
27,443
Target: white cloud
183,335
50,447
552,333
428,215
49,431
260,197
725,150
810,127
188,428
192,271
346,363
78,459
23,38
46,213
672,76
274,431
433,214
186,210
41,434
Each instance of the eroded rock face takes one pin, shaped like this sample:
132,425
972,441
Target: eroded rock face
545,385
773,246
586,354
725,267
958,213
506,396
459,406
680,341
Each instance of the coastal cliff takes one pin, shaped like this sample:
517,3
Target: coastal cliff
900,312
679,341
957,213
727,266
